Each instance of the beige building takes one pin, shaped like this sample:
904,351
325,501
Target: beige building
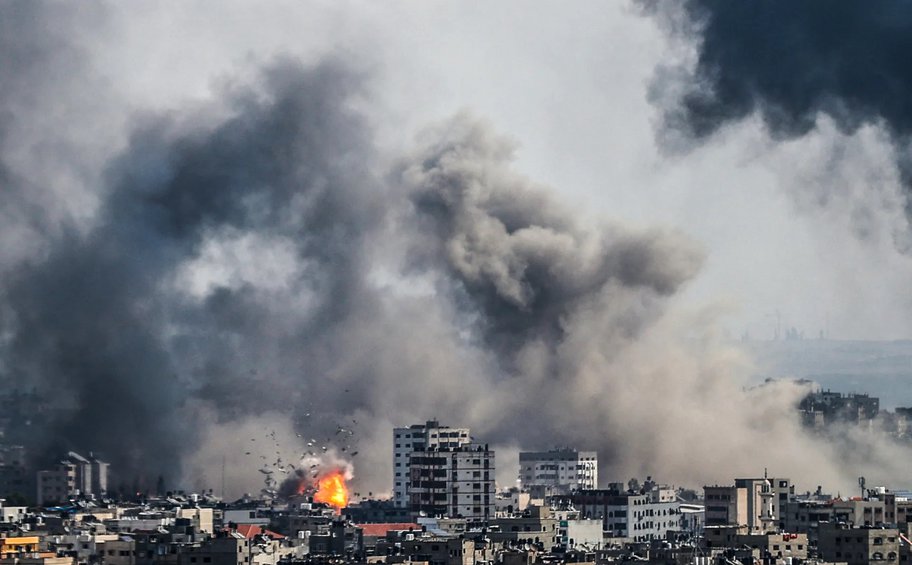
858,546
758,504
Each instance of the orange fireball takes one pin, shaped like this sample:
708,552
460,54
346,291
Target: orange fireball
331,490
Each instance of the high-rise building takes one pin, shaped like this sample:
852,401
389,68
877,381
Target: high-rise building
419,437
559,471
455,482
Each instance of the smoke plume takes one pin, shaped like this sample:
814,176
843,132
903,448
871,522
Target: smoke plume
837,71
248,279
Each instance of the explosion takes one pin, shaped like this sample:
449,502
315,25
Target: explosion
331,490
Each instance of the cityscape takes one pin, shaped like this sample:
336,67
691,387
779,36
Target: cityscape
455,282
445,507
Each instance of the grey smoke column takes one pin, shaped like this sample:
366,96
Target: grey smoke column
515,257
99,321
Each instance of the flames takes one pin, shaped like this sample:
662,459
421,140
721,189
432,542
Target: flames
331,490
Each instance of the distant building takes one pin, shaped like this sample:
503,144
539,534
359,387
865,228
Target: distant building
73,475
559,471
822,408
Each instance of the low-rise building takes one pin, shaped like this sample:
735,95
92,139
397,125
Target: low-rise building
841,543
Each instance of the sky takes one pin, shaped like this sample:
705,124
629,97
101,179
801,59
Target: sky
232,215
577,90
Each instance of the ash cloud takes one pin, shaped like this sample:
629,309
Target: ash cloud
127,354
514,256
248,264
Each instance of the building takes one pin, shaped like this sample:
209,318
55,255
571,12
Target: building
74,475
537,524
57,484
632,515
772,547
17,546
419,437
227,549
823,408
759,504
434,550
457,482
559,471
841,543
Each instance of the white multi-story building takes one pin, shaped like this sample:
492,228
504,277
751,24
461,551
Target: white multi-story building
641,515
419,437
559,471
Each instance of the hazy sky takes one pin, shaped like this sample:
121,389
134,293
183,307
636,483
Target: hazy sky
233,214
803,227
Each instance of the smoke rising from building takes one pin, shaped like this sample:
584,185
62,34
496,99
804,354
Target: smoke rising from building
256,262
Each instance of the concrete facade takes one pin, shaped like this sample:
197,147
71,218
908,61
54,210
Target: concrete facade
416,438
559,471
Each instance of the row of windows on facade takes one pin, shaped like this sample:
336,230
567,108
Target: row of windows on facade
438,461
420,435
643,513
654,525
876,556
863,539
560,467
444,474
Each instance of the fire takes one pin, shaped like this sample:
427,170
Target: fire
331,490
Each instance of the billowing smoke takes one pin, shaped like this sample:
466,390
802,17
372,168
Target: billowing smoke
792,61
803,68
249,280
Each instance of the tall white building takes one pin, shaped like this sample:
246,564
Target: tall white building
419,437
559,471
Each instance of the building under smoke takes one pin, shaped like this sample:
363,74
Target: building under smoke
824,407
759,504
641,514
558,471
74,475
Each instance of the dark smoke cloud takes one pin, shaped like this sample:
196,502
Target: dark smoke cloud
792,60
126,354
514,255
830,68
